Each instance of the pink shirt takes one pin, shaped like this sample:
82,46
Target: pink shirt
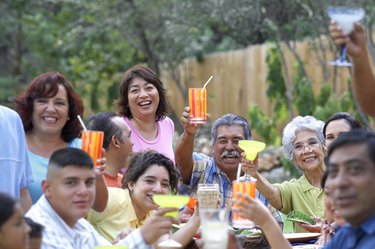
163,141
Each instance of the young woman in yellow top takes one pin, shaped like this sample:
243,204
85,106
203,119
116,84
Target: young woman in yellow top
148,173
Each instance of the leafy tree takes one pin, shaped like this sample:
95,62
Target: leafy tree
92,41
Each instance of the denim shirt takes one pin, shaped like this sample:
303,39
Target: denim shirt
348,237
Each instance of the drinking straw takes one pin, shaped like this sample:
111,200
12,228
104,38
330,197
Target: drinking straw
208,81
82,124
239,172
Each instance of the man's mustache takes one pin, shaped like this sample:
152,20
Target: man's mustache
230,153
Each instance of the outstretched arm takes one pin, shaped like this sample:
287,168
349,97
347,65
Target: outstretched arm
185,146
187,232
269,191
254,210
101,197
363,77
25,199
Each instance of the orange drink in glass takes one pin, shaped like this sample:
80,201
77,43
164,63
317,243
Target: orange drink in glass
243,187
92,143
198,105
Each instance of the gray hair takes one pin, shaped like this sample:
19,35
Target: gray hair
230,120
298,124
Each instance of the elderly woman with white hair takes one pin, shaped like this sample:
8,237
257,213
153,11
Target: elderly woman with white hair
303,144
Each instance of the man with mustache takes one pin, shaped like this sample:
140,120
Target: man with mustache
222,168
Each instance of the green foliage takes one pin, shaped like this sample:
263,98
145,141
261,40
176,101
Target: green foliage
91,40
325,93
75,38
291,168
303,95
276,84
321,106
263,125
334,104
8,91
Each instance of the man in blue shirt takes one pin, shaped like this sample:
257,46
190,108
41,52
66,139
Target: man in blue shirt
15,166
351,172
221,168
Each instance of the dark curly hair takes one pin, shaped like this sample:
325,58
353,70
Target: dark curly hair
141,161
47,86
140,71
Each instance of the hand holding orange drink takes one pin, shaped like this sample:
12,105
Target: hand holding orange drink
243,187
92,143
198,103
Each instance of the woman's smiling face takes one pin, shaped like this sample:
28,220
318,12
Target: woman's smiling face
143,98
155,180
50,114
308,152
334,129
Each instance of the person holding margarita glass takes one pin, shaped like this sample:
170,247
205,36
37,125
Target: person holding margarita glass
303,144
351,171
48,109
337,124
363,76
143,104
148,173
222,166
69,191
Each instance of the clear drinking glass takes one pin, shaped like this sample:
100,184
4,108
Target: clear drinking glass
214,227
208,195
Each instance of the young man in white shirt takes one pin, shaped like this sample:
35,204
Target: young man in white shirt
69,193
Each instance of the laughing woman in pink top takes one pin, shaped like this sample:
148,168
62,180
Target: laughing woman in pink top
143,104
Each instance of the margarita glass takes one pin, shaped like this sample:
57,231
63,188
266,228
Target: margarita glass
251,148
175,201
345,17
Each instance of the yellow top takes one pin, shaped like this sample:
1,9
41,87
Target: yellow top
118,214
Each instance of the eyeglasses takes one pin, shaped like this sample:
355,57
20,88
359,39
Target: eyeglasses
312,143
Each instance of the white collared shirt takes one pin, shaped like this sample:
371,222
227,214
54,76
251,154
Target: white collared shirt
58,235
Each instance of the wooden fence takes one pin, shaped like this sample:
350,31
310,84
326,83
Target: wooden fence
240,77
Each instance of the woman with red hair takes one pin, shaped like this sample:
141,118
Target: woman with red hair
48,109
